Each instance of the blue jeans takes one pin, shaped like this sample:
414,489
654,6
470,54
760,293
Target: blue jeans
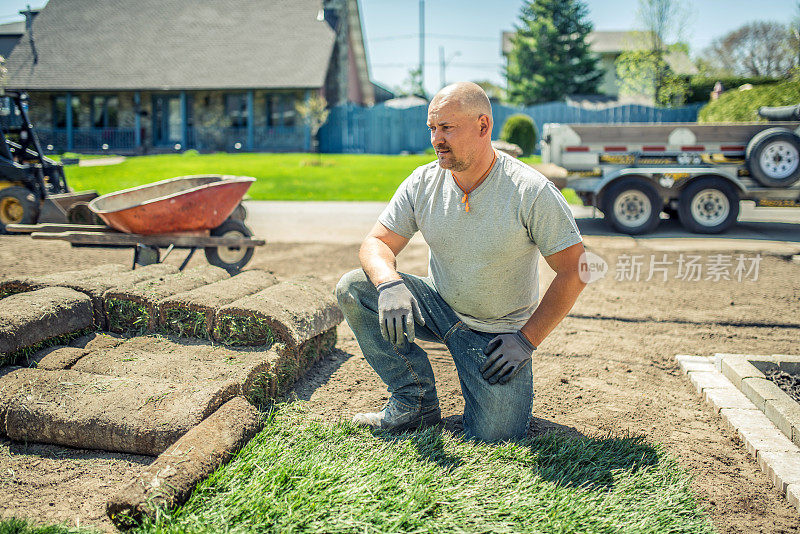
491,413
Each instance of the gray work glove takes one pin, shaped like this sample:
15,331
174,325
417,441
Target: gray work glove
396,307
507,354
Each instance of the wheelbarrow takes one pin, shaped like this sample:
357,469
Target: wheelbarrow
187,212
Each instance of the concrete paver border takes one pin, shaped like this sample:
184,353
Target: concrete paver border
773,449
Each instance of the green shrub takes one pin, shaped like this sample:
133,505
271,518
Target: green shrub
520,130
700,87
742,106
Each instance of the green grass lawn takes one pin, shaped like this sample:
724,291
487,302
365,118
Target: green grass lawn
302,476
280,176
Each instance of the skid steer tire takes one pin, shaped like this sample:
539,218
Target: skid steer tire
17,206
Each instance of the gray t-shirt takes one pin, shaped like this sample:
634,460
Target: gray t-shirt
484,263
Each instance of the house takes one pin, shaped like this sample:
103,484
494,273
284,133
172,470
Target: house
152,75
10,35
608,46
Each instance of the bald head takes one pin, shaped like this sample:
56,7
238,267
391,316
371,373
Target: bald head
470,98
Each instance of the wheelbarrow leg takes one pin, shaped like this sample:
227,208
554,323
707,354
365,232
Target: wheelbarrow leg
145,255
188,257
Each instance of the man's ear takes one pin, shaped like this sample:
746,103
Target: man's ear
485,125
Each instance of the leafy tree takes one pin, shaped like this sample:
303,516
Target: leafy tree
755,49
550,57
314,112
412,86
3,72
644,70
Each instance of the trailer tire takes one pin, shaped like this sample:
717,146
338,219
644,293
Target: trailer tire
230,259
708,206
17,206
773,157
632,206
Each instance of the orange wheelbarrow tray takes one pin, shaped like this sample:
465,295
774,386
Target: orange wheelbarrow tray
182,204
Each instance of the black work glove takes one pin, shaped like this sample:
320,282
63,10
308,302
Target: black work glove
396,307
507,354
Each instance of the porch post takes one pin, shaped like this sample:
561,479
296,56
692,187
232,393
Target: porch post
251,116
306,127
137,118
70,135
184,120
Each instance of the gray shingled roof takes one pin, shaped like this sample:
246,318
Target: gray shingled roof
174,44
13,28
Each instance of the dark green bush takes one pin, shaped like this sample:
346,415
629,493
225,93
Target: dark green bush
700,87
520,130
742,106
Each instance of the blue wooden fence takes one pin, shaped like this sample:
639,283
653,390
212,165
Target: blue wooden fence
382,130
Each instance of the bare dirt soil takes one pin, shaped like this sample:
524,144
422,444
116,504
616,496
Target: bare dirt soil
609,367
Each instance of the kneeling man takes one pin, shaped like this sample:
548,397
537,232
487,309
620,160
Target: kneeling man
486,218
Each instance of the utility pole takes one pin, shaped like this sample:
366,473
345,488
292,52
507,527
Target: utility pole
422,43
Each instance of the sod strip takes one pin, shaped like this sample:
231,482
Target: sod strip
304,475
55,358
96,286
29,319
134,307
87,411
169,480
192,313
291,312
188,361
22,284
97,341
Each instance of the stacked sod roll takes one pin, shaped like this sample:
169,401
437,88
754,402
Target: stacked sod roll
192,313
37,318
133,307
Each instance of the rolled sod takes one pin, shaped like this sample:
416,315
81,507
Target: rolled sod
29,320
96,286
170,479
188,361
192,313
134,307
22,284
120,414
291,312
293,363
58,357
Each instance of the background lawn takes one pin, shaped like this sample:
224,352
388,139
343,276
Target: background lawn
305,476
280,176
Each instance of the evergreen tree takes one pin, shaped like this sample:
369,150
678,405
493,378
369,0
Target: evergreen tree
550,57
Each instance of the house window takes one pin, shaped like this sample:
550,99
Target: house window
105,111
60,111
280,110
236,109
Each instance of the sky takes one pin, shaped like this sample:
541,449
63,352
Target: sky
467,33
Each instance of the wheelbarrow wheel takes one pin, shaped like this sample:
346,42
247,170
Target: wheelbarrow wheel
232,259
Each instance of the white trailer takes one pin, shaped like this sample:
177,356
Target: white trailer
696,172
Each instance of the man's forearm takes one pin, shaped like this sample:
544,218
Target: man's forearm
378,261
554,306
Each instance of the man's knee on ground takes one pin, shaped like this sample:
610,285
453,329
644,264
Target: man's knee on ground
347,288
